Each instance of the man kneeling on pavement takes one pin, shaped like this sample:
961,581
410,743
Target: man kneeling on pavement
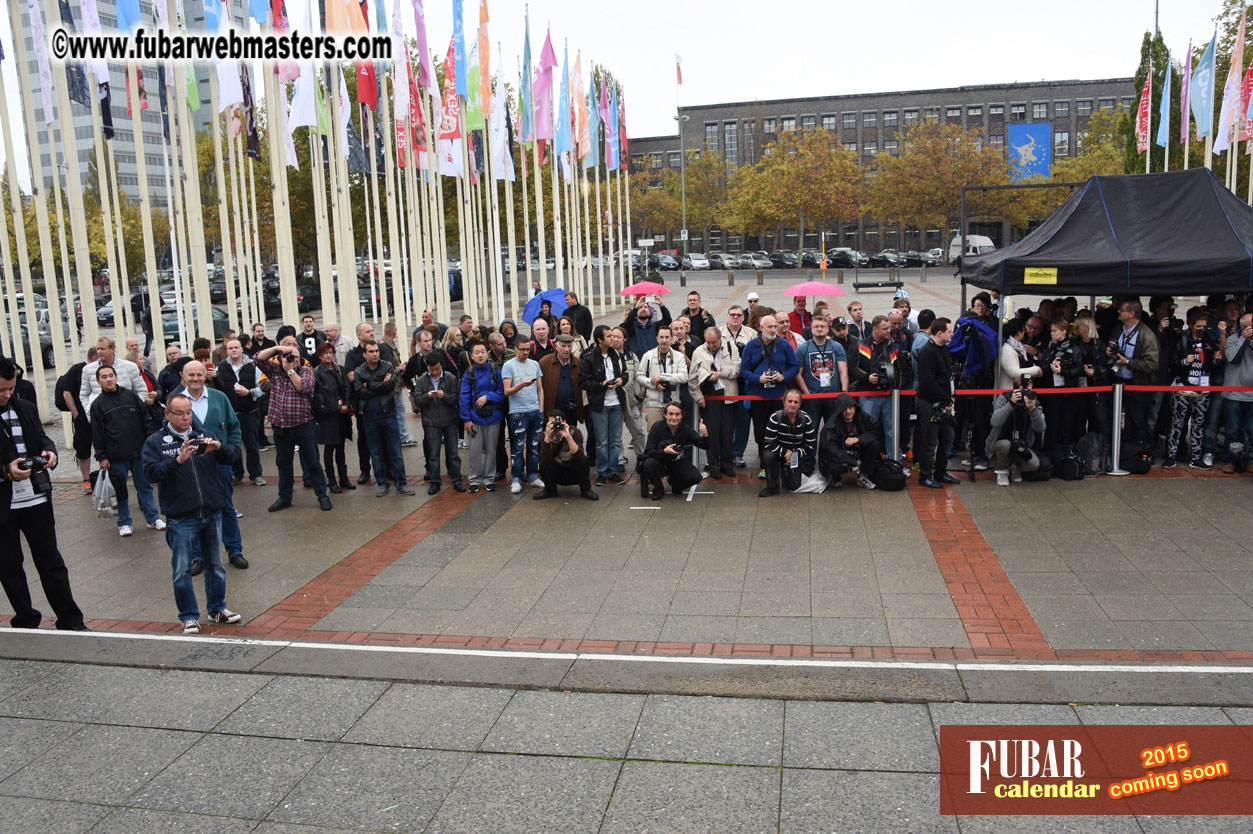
668,441
562,460
791,446
851,442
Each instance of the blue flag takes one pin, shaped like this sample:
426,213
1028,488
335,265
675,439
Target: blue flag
212,15
459,47
259,10
563,107
1163,116
524,106
593,128
615,145
128,18
1030,153
1202,92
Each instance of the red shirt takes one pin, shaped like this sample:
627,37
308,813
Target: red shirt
289,407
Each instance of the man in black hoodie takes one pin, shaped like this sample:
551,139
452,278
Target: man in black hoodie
119,426
852,441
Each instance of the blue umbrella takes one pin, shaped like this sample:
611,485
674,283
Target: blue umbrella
556,296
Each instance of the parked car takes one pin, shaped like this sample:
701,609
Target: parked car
783,259
888,258
698,261
169,323
841,259
854,258
936,253
811,259
308,297
45,347
217,292
665,262
755,260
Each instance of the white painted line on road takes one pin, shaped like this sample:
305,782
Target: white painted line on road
646,508
522,654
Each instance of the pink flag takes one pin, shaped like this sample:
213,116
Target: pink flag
1142,120
1183,106
450,119
426,75
1242,120
543,90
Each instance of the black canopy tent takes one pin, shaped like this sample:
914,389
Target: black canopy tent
1178,233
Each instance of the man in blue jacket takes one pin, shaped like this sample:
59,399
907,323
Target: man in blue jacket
767,366
482,395
184,462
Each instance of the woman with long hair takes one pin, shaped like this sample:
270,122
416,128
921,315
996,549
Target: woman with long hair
565,327
333,417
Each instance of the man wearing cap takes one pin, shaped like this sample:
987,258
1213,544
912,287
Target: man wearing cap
559,381
853,441
753,300
839,333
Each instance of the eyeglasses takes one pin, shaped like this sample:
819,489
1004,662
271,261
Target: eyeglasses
735,315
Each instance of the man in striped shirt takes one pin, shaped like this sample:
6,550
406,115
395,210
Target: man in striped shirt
791,446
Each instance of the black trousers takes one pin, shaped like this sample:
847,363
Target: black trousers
572,473
363,447
333,461
935,438
1136,409
433,439
250,431
833,465
681,473
719,420
38,526
760,411
977,410
779,474
821,411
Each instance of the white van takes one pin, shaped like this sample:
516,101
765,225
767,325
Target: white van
975,245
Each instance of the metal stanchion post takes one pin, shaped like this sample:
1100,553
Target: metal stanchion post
1116,452
896,424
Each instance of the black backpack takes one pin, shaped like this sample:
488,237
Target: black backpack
63,387
1136,458
888,475
1043,472
1068,463
1092,450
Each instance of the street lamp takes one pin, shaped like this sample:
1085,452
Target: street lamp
682,193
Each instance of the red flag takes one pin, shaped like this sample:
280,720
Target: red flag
1245,124
417,125
143,94
1142,119
367,84
450,119
622,134
678,67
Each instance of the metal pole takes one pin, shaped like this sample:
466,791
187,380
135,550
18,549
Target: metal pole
1115,453
896,424
682,198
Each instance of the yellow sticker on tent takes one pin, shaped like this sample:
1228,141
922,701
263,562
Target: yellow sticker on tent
1040,275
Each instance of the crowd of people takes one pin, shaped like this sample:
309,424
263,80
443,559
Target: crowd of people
562,404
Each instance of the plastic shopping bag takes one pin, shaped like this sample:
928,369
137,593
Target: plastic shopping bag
103,497
814,483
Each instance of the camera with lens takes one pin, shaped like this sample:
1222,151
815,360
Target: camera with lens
1020,451
40,480
887,375
666,394
558,425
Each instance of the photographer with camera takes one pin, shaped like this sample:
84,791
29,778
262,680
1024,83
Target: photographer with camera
661,373
1238,350
1017,420
602,375
291,414
1136,356
715,372
668,441
878,366
767,366
562,461
1063,367
1197,355
934,405
184,463
26,455
482,412
853,441
791,446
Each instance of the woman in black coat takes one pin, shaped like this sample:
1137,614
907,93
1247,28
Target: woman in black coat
331,411
668,440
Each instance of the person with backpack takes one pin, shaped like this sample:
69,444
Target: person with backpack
482,394
852,442
974,348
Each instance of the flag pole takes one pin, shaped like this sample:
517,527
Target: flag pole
600,237
145,213
526,220
194,207
253,225
239,218
121,312
511,230
378,304
172,212
23,255
17,350
66,281
493,200
399,302
437,221
224,229
624,241
322,223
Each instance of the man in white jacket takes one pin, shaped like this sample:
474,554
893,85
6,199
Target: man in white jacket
715,372
128,375
661,373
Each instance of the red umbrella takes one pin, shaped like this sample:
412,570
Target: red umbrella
814,288
645,288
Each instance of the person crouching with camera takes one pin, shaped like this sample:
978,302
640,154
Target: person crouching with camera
1017,420
668,440
183,462
791,446
26,455
562,460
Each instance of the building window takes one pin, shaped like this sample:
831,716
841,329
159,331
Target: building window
953,112
850,146
637,160
850,121
1128,102
996,111
809,122
870,148
1061,143
654,160
711,135
911,116
788,123
889,146
997,140
1108,104
769,125
932,114
869,119
974,111
1083,107
1061,110
889,118
730,143
1017,112
828,121
676,159
1079,138
1039,110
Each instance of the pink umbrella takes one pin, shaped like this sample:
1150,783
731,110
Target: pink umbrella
645,288
814,288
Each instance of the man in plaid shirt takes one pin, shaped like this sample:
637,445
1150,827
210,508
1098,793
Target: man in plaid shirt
291,415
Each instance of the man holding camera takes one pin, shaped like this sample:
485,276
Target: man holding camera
934,406
662,371
291,415
1017,420
878,367
1238,349
184,462
1136,355
664,454
602,375
767,365
791,446
26,455
435,396
562,461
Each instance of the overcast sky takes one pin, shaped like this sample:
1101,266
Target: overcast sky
736,50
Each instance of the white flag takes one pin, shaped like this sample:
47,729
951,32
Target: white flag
450,157
304,102
502,160
41,59
230,91
91,26
1231,103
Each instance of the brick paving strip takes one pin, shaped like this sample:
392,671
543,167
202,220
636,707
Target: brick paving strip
996,619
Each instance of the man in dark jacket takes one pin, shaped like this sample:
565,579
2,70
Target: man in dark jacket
866,371
934,407
791,445
355,358
580,315
853,441
238,378
119,426
668,438
170,377
602,374
27,511
373,387
435,396
562,461
559,379
183,461
701,318
1136,356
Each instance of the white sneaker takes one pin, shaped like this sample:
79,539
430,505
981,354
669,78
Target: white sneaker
462,444
864,482
191,627
159,524
1002,477
1207,459
515,487
124,530
537,483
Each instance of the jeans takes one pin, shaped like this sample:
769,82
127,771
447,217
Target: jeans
880,408
286,440
608,423
39,527
760,412
383,435
743,421
527,426
821,411
232,539
432,439
250,429
1239,425
143,489
185,536
400,418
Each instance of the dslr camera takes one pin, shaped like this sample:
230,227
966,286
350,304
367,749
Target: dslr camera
666,394
558,424
40,480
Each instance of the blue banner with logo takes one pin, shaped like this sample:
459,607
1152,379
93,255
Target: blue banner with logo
1030,150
